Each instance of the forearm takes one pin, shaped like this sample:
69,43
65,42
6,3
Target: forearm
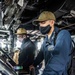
38,59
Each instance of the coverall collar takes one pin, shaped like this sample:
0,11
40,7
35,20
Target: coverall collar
56,30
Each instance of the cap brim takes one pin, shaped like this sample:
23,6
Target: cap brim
35,22
20,33
23,34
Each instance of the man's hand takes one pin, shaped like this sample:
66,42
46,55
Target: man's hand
31,67
16,56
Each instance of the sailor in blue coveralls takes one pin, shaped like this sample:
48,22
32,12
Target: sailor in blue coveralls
56,56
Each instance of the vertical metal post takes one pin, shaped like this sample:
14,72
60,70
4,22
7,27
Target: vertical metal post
1,14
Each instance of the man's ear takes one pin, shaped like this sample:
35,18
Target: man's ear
52,22
24,36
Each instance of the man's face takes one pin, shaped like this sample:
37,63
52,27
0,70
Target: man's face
20,37
46,26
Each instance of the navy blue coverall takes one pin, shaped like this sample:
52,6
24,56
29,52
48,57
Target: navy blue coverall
56,56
